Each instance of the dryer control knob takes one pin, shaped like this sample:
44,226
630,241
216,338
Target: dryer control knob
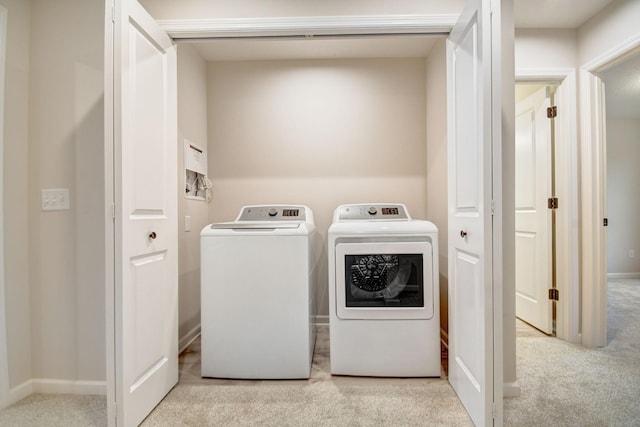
273,212
372,211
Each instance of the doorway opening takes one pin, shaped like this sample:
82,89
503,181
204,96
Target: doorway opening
536,203
605,72
556,90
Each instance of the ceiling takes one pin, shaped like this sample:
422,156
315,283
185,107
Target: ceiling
527,14
622,79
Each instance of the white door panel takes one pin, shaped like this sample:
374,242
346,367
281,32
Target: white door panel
145,187
533,218
470,229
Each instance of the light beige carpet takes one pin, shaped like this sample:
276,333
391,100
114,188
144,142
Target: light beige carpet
311,404
562,385
56,410
569,385
323,400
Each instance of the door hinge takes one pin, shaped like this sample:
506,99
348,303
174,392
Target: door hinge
552,112
552,202
554,295
605,222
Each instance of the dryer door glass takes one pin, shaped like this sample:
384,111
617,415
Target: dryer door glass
384,280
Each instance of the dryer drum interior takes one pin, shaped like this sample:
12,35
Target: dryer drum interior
376,280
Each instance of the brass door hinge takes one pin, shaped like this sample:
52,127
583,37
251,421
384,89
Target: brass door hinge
554,295
552,112
552,202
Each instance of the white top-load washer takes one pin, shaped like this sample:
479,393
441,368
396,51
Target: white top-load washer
383,292
258,294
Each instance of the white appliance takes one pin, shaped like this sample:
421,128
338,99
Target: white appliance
384,311
258,294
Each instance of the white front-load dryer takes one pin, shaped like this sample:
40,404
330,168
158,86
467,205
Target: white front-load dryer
258,294
384,312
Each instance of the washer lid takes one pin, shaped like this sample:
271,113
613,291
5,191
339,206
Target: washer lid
285,220
254,225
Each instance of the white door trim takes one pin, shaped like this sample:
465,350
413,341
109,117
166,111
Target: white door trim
567,230
4,362
229,28
594,286
109,211
592,122
306,26
503,165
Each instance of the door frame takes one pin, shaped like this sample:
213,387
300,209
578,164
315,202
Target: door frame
115,308
109,210
361,25
593,192
567,230
4,360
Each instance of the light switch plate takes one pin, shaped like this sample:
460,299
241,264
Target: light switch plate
55,199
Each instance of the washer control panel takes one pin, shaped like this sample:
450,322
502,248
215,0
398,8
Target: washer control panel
370,212
272,213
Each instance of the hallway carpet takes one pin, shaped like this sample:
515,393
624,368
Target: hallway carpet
569,385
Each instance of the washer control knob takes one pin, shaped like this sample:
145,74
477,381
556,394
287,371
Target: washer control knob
372,210
273,212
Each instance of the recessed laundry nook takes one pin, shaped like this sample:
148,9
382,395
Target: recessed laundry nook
322,130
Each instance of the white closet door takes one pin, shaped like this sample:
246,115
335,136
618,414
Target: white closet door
145,197
471,310
533,216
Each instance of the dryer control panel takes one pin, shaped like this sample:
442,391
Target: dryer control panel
272,213
368,212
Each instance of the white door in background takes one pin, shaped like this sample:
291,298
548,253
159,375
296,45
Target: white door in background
144,133
533,216
471,307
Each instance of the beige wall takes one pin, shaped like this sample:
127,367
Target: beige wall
623,204
66,248
15,191
192,125
540,49
437,202
319,133
54,273
616,24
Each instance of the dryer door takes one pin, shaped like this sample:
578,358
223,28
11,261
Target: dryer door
390,280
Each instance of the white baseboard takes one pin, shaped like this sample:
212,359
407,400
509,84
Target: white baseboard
20,392
48,386
321,319
186,340
623,275
43,385
511,389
